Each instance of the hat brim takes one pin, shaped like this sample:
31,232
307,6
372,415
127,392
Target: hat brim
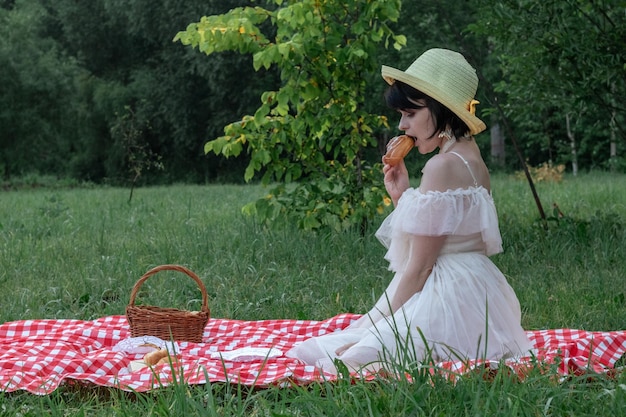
391,75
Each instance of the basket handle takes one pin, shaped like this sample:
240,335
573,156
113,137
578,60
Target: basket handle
179,268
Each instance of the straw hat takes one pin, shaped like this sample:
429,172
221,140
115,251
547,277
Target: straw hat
448,78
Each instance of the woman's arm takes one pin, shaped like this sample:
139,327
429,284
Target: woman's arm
424,250
423,255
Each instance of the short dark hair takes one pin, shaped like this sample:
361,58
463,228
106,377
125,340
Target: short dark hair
398,96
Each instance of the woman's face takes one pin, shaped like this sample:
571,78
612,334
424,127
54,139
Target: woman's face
419,124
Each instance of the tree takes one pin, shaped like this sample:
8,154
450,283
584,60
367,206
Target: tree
36,104
172,94
73,73
561,61
310,136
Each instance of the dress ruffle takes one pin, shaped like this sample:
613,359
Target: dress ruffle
460,212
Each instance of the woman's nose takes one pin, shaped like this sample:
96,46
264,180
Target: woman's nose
402,125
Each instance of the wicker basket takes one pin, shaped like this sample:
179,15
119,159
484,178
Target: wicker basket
167,323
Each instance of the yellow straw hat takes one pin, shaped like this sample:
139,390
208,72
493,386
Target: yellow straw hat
448,78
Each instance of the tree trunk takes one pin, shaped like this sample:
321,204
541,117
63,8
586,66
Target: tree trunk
498,156
572,142
613,129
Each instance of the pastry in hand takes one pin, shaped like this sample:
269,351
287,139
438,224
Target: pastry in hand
397,148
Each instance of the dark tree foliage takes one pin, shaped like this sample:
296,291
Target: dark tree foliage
36,85
105,61
561,76
74,74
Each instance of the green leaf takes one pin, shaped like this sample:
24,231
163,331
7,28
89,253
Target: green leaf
312,131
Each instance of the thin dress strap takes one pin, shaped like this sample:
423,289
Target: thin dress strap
468,167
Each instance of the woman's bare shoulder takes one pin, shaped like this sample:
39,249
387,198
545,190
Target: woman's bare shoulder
438,174
447,171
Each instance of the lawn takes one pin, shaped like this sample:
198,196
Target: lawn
76,253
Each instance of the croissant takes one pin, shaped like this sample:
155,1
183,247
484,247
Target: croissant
397,148
172,360
152,358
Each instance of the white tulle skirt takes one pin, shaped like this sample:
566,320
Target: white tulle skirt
466,310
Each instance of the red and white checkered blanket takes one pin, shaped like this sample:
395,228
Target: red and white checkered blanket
39,355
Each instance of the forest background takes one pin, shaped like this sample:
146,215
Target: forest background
100,91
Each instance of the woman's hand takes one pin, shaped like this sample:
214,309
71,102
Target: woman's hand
396,180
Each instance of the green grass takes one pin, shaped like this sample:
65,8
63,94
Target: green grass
77,252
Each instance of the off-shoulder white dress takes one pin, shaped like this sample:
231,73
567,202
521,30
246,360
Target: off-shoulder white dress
466,309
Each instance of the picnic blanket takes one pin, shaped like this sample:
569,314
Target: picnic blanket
39,355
